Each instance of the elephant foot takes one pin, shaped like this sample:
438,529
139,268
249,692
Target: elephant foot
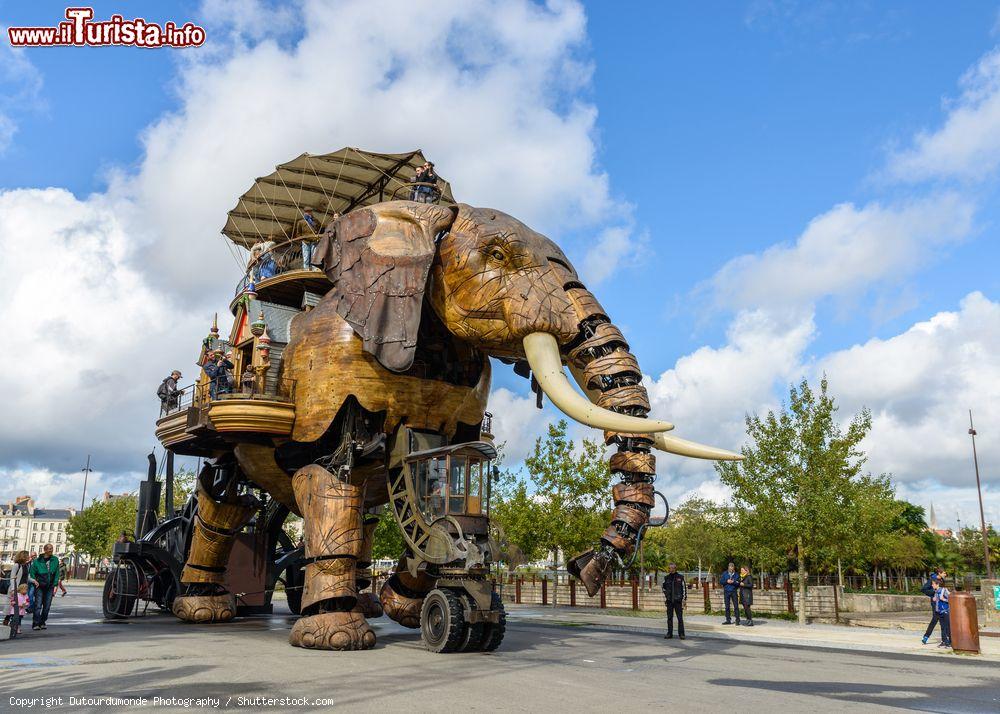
368,605
333,631
205,608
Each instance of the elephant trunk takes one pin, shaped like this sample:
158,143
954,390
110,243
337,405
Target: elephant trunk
600,359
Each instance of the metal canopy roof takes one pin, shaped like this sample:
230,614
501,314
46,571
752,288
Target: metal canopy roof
327,183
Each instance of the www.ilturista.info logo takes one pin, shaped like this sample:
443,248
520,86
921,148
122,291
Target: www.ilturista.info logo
79,31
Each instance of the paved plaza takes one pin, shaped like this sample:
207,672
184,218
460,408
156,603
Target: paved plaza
560,663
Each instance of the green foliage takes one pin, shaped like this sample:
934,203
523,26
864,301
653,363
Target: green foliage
970,548
799,486
388,539
560,506
699,531
94,530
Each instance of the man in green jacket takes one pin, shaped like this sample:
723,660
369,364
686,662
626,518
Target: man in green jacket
44,573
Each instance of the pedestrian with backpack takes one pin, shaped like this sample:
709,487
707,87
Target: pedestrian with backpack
941,607
928,589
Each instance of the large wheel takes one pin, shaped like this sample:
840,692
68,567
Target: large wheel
472,638
494,632
121,590
442,621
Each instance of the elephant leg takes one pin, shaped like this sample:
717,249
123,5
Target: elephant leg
334,525
368,602
402,595
216,524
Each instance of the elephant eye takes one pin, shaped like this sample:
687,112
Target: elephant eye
497,254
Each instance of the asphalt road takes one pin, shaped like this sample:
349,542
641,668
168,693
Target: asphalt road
538,668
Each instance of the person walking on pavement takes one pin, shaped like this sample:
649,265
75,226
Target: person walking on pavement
746,594
44,572
940,600
18,577
675,596
730,582
928,589
31,585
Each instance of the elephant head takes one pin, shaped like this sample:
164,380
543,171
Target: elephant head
503,288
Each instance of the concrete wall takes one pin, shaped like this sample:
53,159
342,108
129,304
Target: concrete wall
989,616
878,602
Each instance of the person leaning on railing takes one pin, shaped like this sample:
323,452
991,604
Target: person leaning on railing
307,230
168,393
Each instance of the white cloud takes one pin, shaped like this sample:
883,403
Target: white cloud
517,423
920,385
106,294
708,392
967,145
20,89
89,340
843,252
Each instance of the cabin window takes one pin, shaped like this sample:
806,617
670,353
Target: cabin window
457,486
431,482
475,488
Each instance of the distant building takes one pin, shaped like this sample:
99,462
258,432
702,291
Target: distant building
26,527
943,532
108,496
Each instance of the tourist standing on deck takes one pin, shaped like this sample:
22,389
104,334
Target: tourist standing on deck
675,596
730,582
431,178
169,393
44,573
307,230
746,594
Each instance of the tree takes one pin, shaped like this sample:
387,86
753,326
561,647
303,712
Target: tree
571,490
518,514
697,535
798,477
387,542
94,530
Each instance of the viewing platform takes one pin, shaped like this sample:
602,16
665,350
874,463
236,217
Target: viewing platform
201,424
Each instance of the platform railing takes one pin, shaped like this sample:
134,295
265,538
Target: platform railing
204,395
280,258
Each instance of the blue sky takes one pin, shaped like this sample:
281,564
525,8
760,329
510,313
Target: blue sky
689,136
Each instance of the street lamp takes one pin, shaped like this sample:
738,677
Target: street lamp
979,489
86,474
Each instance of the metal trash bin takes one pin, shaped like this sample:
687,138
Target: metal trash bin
964,622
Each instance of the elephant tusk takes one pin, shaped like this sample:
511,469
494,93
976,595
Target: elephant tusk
542,352
683,447
670,444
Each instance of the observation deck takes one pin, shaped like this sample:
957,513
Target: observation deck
202,423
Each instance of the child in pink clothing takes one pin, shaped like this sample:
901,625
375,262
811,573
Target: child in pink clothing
19,606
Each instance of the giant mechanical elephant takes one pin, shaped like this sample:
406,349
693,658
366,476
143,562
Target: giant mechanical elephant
422,296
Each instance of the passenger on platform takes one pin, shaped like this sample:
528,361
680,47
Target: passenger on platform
248,381
261,264
307,230
230,376
746,594
44,572
730,582
675,596
418,177
217,368
168,393
431,178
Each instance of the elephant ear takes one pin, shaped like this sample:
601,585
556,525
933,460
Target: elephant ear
379,259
